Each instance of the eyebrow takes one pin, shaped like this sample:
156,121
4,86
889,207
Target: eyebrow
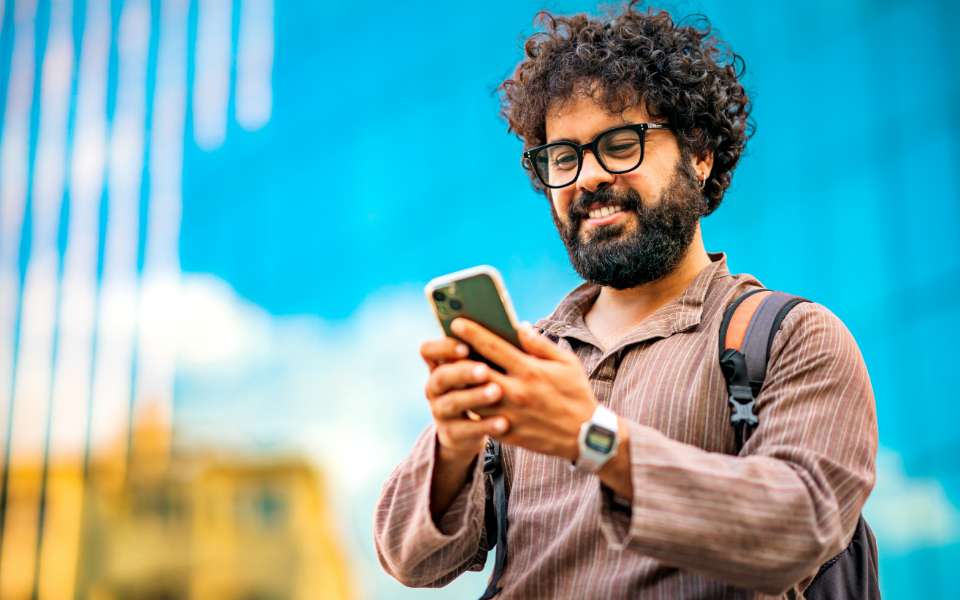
578,142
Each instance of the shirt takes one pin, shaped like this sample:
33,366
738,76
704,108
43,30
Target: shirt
704,522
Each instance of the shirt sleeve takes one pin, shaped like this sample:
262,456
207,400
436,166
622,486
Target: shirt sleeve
768,518
413,548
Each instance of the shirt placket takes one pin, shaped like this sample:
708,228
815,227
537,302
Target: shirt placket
601,370
602,379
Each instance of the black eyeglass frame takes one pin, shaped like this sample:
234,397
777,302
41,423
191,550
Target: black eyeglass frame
640,128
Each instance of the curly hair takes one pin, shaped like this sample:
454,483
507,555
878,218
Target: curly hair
680,72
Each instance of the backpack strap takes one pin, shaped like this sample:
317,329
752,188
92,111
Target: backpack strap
493,468
746,335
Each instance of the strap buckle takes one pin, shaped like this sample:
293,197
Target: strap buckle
742,405
492,462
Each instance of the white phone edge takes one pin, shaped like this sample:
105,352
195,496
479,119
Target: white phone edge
488,270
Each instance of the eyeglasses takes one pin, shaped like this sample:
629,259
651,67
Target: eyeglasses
618,150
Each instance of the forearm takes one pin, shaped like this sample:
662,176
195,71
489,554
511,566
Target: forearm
761,522
414,548
450,474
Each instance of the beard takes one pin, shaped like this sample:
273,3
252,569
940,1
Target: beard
612,256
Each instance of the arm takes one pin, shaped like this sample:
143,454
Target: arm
412,545
768,518
429,522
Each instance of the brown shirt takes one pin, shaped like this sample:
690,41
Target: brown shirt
704,522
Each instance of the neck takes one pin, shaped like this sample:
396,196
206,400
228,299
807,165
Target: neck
630,306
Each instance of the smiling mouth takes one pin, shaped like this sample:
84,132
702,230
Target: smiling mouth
602,216
604,211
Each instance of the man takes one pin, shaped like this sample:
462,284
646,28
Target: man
633,126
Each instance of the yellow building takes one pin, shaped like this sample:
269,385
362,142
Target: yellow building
214,527
192,525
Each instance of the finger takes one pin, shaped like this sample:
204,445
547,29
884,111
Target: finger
463,430
539,345
460,374
437,352
512,389
490,345
453,404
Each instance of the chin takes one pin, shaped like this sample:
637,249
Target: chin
606,233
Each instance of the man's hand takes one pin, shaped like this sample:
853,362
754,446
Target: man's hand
455,386
546,396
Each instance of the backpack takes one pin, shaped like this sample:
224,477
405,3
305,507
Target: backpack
746,334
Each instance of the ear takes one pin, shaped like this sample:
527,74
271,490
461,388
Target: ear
702,165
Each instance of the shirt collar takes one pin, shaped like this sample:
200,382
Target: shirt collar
681,314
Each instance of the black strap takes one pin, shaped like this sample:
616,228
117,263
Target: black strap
493,467
728,315
761,332
746,369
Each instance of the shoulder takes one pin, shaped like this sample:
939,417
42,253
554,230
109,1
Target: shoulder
817,383
812,319
811,336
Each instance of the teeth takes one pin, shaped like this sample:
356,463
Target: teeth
606,211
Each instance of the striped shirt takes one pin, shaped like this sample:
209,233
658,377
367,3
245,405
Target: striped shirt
704,522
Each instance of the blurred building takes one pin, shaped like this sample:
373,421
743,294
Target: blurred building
201,524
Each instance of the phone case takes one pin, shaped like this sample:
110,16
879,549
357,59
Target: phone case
478,294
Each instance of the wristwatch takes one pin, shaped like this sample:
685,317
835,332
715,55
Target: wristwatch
598,440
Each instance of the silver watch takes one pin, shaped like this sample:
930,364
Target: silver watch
598,440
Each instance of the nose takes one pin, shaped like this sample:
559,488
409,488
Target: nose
592,175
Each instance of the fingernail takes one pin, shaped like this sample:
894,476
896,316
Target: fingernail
462,350
479,372
491,391
500,425
456,326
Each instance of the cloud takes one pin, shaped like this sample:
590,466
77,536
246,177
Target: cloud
348,395
909,513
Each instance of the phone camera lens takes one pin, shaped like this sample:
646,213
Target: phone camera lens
456,304
439,296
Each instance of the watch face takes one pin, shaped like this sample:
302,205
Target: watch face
600,439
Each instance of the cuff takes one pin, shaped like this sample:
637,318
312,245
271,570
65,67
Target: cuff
618,517
615,515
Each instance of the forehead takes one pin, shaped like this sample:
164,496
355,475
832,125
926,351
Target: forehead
580,118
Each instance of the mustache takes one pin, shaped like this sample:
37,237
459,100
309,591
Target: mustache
629,200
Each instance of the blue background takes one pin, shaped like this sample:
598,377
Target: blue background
848,194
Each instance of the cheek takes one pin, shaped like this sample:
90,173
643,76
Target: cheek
642,181
645,184
561,199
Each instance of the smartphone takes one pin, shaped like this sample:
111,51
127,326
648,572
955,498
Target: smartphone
478,294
